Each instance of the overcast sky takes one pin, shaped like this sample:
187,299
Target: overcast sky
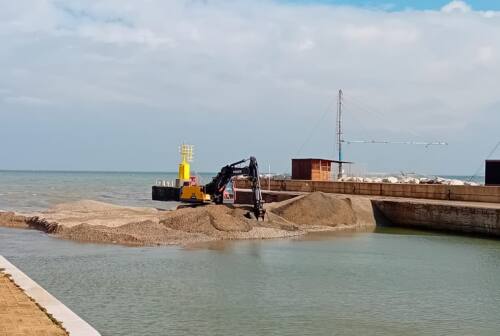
119,84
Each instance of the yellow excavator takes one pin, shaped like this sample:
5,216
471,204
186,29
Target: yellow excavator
213,192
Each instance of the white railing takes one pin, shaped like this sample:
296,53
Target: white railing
165,183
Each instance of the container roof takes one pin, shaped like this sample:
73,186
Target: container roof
319,159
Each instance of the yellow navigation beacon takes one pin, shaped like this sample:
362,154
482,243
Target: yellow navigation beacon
186,152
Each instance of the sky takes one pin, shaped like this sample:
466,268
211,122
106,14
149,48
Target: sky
119,84
398,5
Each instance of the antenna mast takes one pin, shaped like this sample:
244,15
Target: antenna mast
339,133
340,138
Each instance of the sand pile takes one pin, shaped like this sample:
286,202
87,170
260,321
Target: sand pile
10,219
210,220
91,221
97,213
321,211
145,233
136,226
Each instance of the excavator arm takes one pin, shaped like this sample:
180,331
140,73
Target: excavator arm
218,185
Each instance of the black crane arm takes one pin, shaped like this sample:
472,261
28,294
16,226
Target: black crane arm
218,184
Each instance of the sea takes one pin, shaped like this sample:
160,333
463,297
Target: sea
390,282
32,191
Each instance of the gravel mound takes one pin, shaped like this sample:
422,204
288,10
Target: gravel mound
329,210
91,221
97,213
11,219
133,234
317,208
210,219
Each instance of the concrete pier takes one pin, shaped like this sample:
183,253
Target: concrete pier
71,322
453,216
488,194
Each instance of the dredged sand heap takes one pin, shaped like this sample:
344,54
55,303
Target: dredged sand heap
91,221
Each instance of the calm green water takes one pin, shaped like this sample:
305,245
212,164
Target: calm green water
393,282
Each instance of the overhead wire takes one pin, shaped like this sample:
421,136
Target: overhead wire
349,113
314,127
482,163
357,105
379,116
376,113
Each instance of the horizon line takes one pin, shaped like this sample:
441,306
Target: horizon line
175,172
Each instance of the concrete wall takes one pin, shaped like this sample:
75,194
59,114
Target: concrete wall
441,216
425,191
423,214
245,197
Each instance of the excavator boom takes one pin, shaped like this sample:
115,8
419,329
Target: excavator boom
218,185
214,191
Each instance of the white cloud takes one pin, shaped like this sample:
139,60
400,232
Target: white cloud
192,48
118,34
26,100
486,55
217,62
456,6
306,44
391,34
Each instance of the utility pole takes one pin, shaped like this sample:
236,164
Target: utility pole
339,132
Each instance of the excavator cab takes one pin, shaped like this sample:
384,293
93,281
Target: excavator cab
194,194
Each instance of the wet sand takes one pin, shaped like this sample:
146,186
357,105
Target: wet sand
91,221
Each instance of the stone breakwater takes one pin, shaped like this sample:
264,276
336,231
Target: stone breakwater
91,221
408,180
